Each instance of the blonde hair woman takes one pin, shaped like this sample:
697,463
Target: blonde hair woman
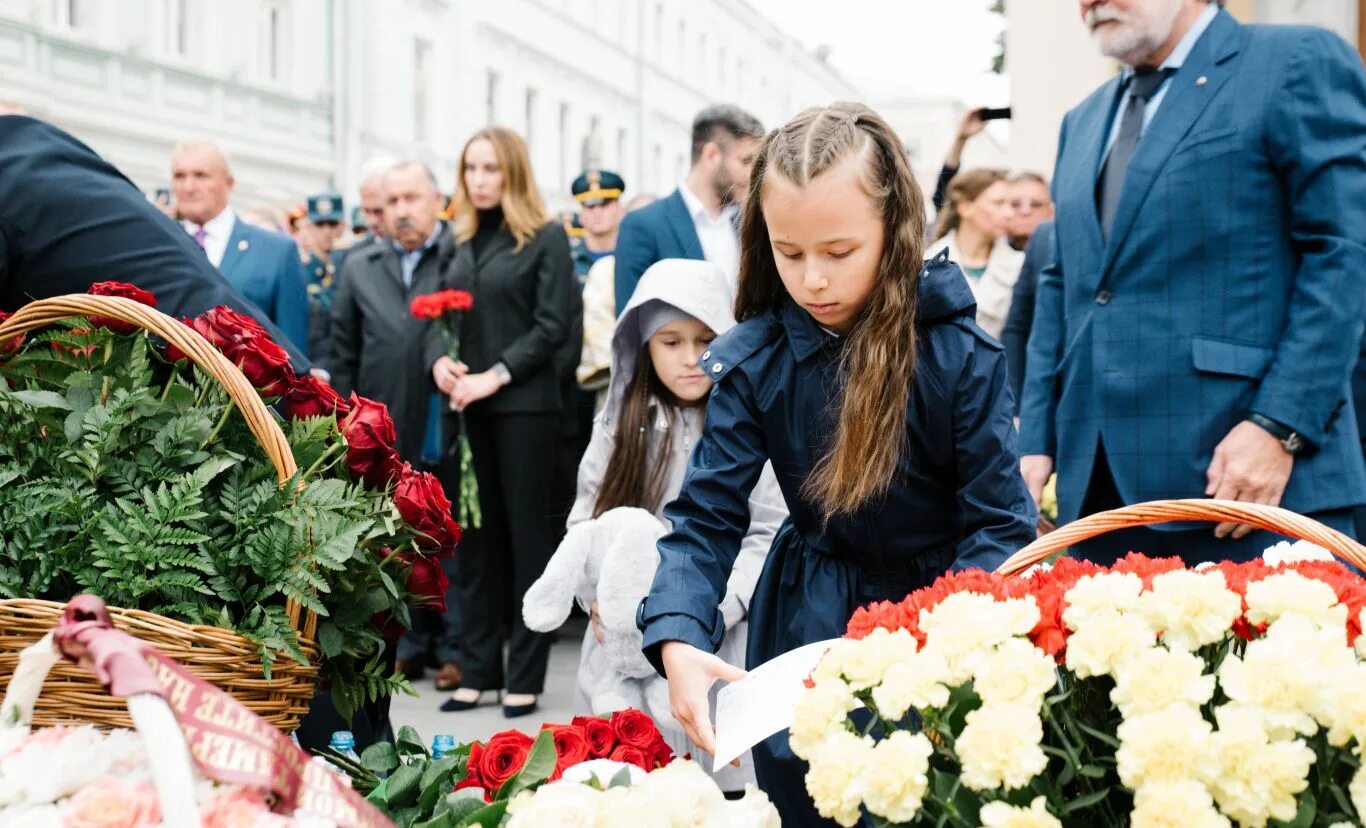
972,228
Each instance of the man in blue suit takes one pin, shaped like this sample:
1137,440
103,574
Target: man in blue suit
701,219
1197,329
264,266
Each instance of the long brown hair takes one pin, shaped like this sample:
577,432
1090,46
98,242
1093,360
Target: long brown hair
629,480
964,188
523,208
879,356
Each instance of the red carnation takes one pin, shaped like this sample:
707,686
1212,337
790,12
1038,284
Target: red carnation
427,580
598,733
631,756
635,729
457,300
437,305
370,436
503,757
126,291
423,504
571,748
311,397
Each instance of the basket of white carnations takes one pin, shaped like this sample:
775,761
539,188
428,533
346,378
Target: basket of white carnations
1145,693
611,794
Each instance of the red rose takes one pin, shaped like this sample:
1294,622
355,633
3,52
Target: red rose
660,755
7,348
424,507
631,756
598,733
222,325
369,433
247,345
635,729
126,291
311,397
427,580
472,778
571,748
503,756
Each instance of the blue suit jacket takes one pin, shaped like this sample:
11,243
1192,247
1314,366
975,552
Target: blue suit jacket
1233,281
265,267
663,230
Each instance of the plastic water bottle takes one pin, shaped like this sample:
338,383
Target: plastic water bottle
442,744
344,742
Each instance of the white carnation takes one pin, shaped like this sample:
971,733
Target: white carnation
895,778
834,777
1093,594
1017,672
1005,815
999,747
965,626
559,803
919,682
1182,804
1253,778
1287,552
1191,609
1166,746
862,661
1157,678
1106,641
821,709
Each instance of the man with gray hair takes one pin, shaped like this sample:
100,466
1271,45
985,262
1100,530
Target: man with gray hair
262,265
701,219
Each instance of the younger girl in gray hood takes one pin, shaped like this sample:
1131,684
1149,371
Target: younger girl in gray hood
646,432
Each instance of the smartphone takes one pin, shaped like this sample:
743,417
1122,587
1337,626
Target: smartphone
1002,114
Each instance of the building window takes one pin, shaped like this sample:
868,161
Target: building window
491,97
71,14
530,133
621,149
422,70
682,68
658,167
272,43
178,28
659,32
564,143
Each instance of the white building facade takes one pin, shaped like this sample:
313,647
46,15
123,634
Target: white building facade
302,93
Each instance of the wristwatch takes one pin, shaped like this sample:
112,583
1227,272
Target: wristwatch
1291,441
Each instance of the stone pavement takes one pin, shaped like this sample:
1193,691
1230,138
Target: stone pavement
556,703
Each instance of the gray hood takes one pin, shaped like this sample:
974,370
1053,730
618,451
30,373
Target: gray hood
697,288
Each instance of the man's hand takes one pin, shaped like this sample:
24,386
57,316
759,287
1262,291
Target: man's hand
1249,465
445,372
1036,469
472,388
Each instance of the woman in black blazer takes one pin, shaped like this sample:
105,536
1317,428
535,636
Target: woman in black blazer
516,263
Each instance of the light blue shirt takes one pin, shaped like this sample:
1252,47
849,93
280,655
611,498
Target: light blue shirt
1173,61
408,261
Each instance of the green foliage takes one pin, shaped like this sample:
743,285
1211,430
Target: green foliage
135,479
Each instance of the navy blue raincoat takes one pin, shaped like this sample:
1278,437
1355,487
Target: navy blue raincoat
957,501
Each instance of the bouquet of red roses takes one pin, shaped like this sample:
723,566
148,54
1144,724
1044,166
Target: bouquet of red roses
447,309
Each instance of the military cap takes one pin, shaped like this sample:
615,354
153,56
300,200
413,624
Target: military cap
594,187
325,207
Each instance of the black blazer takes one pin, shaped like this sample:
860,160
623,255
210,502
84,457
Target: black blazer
523,306
69,219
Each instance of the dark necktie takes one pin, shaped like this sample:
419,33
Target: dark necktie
1142,87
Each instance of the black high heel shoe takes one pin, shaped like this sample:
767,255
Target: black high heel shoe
454,705
513,711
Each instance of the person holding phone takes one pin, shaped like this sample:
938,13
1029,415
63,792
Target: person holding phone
973,123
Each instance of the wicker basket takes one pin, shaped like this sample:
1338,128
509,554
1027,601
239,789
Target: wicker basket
222,657
1270,518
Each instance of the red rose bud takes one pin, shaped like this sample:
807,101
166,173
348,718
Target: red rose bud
635,729
264,364
571,748
369,433
660,755
427,580
424,507
598,733
311,397
126,291
504,755
631,756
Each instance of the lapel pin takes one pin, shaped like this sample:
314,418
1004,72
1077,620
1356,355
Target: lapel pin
243,245
1201,81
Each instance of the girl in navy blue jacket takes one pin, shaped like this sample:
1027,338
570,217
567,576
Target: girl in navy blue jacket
858,370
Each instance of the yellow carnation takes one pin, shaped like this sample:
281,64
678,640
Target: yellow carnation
1279,677
1290,593
1094,594
862,661
1345,705
834,777
1166,746
1252,778
1017,672
1005,815
999,746
918,682
965,626
1157,678
1191,609
1107,640
821,710
895,779
1183,804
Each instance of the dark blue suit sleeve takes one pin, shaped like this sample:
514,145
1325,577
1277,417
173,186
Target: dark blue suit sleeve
636,250
1020,320
291,298
710,519
1318,146
998,512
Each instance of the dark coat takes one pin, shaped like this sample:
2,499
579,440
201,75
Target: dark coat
69,219
957,500
523,307
377,345
265,267
1021,318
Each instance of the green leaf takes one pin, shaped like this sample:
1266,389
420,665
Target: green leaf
1101,736
1308,809
444,820
43,399
330,639
460,804
380,758
540,764
437,782
404,785
621,780
409,743
1092,771
1082,802
489,816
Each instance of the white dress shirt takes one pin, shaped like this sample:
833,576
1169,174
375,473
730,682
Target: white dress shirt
217,231
720,241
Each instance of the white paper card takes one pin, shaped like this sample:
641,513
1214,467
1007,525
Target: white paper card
762,703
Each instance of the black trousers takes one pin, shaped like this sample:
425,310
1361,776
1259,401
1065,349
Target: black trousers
514,459
1193,545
